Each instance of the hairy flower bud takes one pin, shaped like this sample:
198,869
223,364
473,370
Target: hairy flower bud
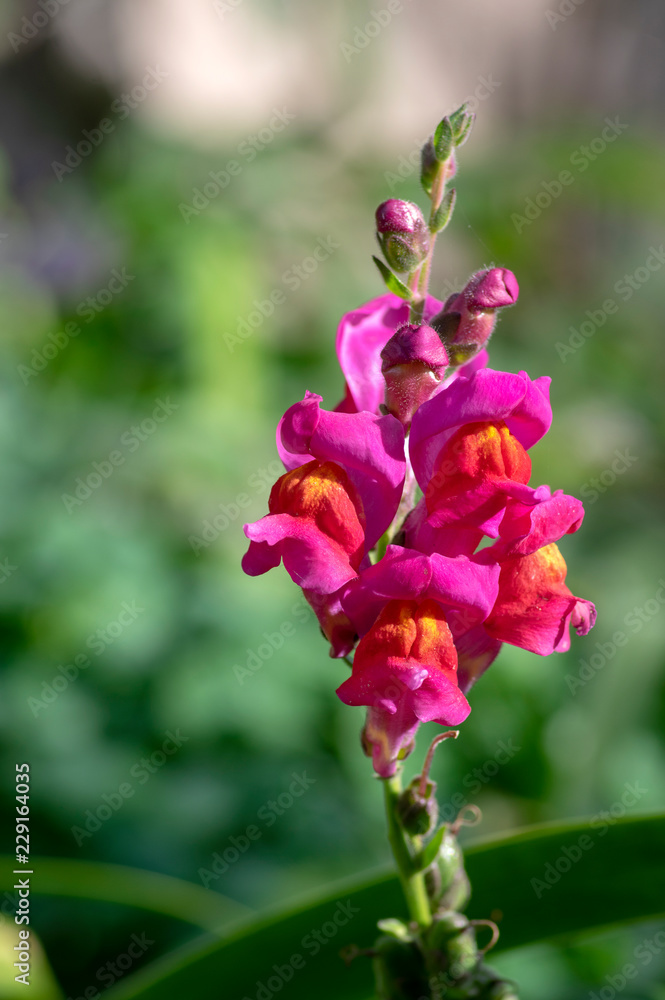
413,363
467,320
430,165
418,813
453,935
402,233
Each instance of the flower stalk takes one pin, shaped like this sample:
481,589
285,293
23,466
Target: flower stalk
404,850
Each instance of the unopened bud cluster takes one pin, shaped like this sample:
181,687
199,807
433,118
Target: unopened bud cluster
444,959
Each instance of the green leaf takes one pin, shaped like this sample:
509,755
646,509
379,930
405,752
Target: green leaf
617,877
393,284
443,212
130,887
429,853
463,134
444,140
458,118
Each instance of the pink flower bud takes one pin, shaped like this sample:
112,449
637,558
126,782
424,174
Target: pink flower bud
491,289
402,233
413,363
467,320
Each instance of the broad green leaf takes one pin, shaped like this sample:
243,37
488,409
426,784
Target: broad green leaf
599,875
130,887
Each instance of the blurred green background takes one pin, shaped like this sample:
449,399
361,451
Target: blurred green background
135,442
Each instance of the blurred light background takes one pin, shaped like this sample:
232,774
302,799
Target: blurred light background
167,169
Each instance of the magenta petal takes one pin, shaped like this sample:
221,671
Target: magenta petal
259,558
361,336
480,360
450,540
390,736
533,418
526,528
439,700
465,588
541,631
486,395
295,429
369,448
425,691
583,617
312,559
481,506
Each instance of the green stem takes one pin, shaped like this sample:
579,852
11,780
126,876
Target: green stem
413,883
419,281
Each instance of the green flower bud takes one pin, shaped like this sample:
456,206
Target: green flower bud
399,969
454,939
418,813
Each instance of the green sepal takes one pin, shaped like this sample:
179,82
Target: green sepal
444,140
393,284
443,213
464,133
429,166
461,122
428,854
395,928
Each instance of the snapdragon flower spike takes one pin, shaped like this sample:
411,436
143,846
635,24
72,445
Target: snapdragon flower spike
405,671
402,233
468,318
341,491
414,362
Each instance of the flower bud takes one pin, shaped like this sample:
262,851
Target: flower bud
467,320
418,813
402,233
453,936
399,969
413,364
491,289
430,165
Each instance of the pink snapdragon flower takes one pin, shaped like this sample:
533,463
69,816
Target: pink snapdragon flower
405,670
344,480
